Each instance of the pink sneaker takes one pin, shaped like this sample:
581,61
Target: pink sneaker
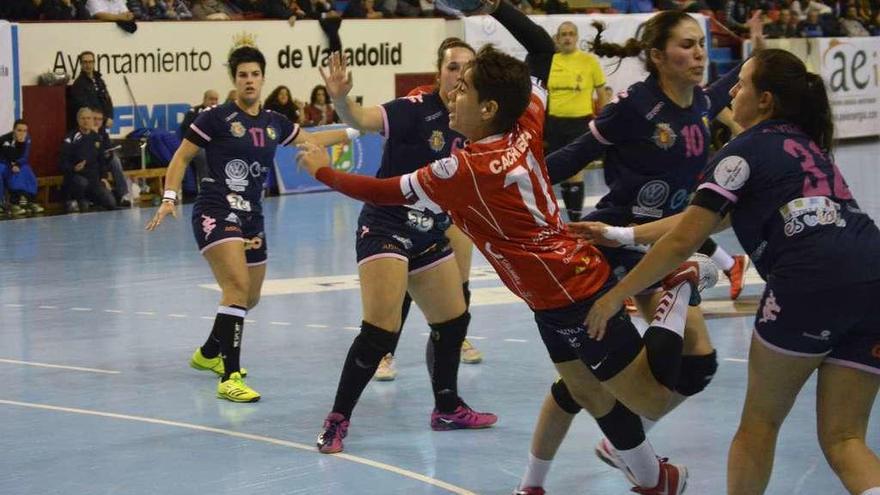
530,490
462,418
673,480
335,429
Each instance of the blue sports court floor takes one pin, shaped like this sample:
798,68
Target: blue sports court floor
98,320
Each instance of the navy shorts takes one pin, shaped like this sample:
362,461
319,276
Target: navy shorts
566,339
212,226
842,324
380,238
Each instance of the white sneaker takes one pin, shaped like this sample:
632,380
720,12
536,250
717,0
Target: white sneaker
386,371
606,453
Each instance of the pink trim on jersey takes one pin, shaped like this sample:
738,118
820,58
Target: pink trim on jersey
720,190
444,259
200,132
853,365
598,135
385,129
550,272
221,241
292,136
787,352
258,263
383,255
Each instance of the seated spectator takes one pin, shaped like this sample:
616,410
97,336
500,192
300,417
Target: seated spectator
16,173
850,25
812,27
363,9
280,101
84,177
800,8
110,160
782,27
174,10
109,10
556,7
408,8
319,110
20,10
144,10
210,10
64,10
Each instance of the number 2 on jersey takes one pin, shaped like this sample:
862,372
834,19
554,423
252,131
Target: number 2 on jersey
523,180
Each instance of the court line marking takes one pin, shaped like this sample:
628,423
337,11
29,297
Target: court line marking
249,436
80,309
59,366
736,360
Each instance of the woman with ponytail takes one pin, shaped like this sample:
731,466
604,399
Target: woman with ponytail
791,209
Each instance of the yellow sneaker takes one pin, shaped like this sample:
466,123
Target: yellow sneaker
386,371
469,353
215,364
235,390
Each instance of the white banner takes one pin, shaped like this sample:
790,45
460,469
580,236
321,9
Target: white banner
849,67
170,64
481,30
8,88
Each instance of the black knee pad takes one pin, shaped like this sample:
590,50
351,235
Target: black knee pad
376,341
448,336
563,397
664,355
696,373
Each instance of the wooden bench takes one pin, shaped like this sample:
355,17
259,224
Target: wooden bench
155,177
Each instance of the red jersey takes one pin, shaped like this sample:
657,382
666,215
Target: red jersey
498,192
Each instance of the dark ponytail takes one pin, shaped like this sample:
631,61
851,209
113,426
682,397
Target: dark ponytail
654,33
799,96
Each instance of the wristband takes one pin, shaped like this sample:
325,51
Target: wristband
170,195
352,133
623,235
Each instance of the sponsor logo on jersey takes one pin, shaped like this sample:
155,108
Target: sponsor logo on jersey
208,225
237,129
769,310
654,111
233,218
512,155
664,136
653,194
237,172
732,172
444,168
270,131
437,141
824,335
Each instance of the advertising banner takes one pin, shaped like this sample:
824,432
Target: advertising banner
850,70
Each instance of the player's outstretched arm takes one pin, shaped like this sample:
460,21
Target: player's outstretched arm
327,138
339,82
173,179
534,38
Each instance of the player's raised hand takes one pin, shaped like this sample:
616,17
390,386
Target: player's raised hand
164,209
312,157
593,232
756,30
337,79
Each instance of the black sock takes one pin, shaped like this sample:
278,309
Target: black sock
708,248
363,358
573,197
404,312
228,326
447,338
664,355
211,347
465,287
622,427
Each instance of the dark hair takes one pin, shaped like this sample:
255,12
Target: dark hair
314,94
505,79
799,96
448,43
654,33
243,55
82,54
18,122
273,102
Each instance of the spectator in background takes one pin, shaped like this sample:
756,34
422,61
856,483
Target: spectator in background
110,160
64,10
874,27
210,10
20,10
279,100
363,9
851,25
329,19
174,10
109,10
231,96
556,7
320,111
683,5
801,8
200,161
144,10
524,6
84,177
811,27
16,173
782,27
89,90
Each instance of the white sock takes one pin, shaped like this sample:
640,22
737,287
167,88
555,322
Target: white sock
536,472
672,309
642,462
647,424
722,259
872,491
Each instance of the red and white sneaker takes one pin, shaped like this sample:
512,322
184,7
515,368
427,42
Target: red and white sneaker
737,275
699,271
463,418
606,453
530,490
673,480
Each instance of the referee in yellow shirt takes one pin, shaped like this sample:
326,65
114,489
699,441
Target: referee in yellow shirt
574,77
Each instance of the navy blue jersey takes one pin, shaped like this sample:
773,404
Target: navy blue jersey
791,209
239,149
416,133
659,148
